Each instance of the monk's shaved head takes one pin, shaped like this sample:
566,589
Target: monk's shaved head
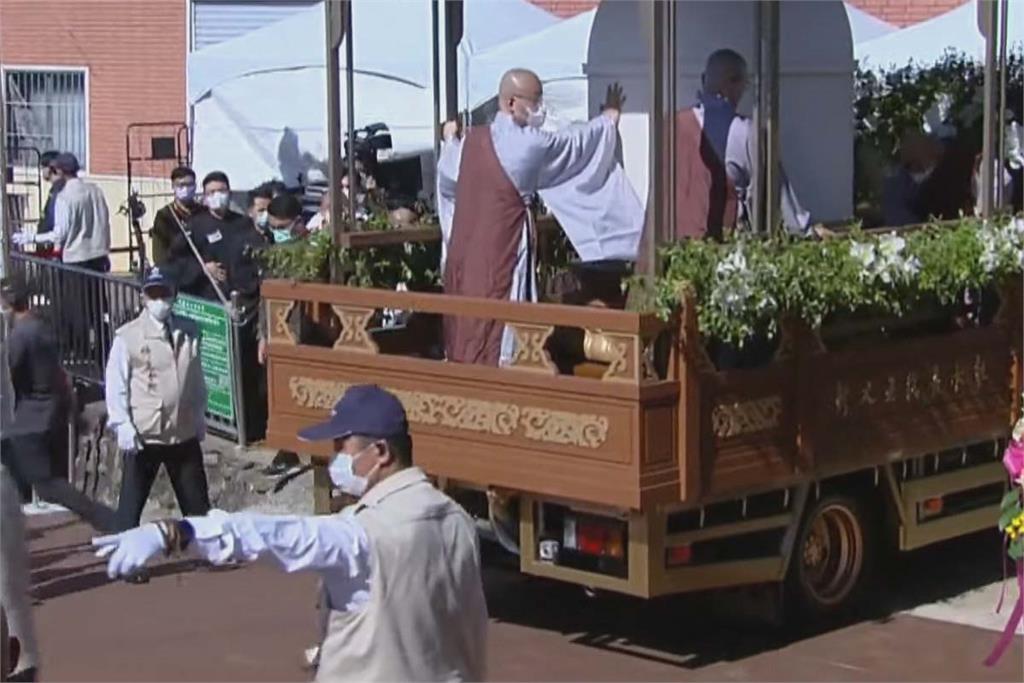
725,75
520,91
519,82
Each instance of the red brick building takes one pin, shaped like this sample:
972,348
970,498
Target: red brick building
77,72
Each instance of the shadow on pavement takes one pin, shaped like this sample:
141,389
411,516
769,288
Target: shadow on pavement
697,630
57,583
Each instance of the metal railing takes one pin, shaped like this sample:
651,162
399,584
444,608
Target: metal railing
86,308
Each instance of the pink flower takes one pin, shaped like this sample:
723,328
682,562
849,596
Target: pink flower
1013,459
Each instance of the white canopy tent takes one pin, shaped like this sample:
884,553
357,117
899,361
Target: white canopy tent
259,107
559,52
817,75
926,42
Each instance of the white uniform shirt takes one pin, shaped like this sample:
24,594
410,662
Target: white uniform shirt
336,546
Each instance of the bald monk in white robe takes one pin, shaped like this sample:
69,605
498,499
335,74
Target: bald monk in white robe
486,183
716,152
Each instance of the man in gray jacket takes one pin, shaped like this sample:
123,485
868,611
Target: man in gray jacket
81,220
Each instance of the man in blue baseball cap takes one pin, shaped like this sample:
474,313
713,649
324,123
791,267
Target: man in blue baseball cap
156,405
400,567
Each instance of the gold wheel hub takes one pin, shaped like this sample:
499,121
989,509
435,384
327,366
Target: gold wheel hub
832,555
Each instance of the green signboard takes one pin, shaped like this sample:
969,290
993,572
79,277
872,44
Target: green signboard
215,349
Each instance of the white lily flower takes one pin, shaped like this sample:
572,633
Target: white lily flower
863,252
891,245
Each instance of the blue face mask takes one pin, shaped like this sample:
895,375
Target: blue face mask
718,116
281,236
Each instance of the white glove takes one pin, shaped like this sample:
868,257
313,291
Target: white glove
128,439
129,551
23,238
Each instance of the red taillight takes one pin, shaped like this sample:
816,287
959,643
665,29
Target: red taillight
595,538
931,507
679,555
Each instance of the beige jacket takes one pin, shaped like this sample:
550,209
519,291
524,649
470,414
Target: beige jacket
166,391
427,616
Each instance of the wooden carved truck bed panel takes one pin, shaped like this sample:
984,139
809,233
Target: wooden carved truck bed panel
623,437
907,398
748,428
555,436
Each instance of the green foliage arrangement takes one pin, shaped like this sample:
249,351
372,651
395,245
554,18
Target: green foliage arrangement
306,260
745,286
414,265
889,101
886,102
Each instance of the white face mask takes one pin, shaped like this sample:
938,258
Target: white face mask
185,193
343,475
160,309
217,201
262,219
536,117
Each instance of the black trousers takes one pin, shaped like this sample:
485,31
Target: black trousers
81,310
254,384
29,458
184,463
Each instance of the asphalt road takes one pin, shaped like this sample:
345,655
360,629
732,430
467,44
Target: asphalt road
251,624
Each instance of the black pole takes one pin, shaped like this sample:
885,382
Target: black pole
334,32
435,46
453,29
350,100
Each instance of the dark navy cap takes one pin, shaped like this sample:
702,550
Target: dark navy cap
364,410
66,162
156,278
14,291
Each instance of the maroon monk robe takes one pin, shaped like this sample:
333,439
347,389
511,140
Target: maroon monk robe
486,232
705,197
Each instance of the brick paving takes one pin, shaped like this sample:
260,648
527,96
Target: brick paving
251,624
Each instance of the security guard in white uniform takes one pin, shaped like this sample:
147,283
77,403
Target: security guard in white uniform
401,571
156,403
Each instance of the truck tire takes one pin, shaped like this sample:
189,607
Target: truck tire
833,558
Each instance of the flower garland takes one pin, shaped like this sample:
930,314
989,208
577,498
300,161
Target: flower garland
1011,524
744,286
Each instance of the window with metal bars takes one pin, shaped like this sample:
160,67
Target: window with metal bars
46,110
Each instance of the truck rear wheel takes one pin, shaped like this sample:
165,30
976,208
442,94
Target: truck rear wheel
832,557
